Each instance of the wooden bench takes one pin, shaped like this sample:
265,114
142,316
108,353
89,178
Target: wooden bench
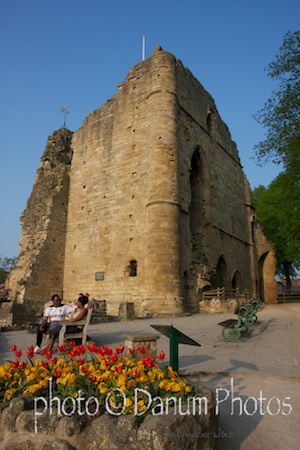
233,328
64,336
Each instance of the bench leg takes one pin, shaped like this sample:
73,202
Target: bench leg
231,334
254,318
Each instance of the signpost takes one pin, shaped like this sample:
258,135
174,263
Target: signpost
176,337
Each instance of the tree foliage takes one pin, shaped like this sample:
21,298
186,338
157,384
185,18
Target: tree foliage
6,264
278,205
278,209
281,113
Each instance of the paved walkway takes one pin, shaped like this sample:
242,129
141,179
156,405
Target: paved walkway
262,369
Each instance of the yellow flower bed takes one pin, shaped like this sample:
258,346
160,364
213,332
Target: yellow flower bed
95,372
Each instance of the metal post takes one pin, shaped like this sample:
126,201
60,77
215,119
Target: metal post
174,352
176,338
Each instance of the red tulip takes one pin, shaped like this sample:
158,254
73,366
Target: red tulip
161,355
120,349
22,365
81,348
118,369
91,348
15,364
13,348
131,351
136,373
76,351
114,358
30,352
18,353
48,354
148,362
142,350
61,348
107,351
80,361
100,351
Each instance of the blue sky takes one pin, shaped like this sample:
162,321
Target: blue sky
74,53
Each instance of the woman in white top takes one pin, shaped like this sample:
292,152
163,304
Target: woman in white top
80,313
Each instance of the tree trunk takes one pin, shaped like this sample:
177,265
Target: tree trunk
286,268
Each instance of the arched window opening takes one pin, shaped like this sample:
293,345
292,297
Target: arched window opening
200,206
133,268
261,273
236,282
221,273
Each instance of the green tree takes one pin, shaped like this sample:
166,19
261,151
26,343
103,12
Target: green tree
278,210
281,113
278,205
6,264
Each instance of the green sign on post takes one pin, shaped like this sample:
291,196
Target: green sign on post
176,337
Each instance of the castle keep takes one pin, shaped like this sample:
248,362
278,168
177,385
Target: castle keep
146,203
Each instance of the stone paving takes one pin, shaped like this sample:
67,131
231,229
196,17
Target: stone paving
256,380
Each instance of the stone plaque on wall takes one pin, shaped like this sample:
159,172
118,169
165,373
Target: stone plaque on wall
99,276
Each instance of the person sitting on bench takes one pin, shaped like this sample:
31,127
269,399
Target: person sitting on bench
52,316
80,313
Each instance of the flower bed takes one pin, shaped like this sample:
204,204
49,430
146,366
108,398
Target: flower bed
94,382
93,370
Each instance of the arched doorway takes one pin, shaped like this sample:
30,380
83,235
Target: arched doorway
220,278
236,282
200,207
261,287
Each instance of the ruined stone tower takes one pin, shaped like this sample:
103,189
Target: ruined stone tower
146,203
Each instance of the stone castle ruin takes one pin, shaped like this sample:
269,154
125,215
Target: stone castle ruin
145,203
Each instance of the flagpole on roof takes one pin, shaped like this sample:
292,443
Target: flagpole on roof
65,112
143,47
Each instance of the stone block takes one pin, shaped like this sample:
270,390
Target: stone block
135,341
126,311
215,305
174,432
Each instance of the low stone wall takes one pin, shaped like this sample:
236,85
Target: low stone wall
6,316
21,428
15,314
218,305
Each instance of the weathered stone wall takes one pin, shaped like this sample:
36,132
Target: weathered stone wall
158,208
40,266
23,428
123,196
215,222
